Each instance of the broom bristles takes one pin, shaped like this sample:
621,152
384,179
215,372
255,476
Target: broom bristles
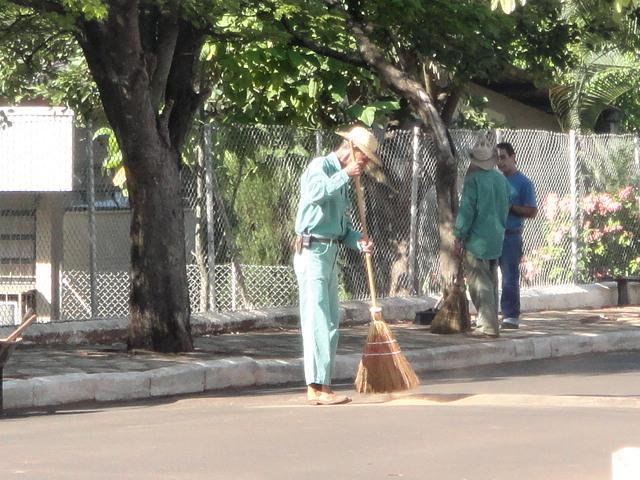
453,317
383,367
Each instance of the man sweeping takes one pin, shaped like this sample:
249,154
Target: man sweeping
321,225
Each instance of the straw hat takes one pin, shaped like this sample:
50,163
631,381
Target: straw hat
364,140
483,154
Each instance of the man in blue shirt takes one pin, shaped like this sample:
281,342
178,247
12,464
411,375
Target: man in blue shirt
321,224
523,205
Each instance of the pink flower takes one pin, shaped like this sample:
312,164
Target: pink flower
565,205
589,203
625,193
551,206
595,235
608,204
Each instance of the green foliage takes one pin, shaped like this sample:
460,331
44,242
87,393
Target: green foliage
507,6
256,185
375,112
40,60
608,166
266,80
270,83
255,74
113,159
629,103
473,116
597,84
89,9
606,67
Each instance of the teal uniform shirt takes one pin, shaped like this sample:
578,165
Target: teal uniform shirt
324,202
482,214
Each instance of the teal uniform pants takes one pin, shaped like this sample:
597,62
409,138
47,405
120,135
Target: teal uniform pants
482,280
316,271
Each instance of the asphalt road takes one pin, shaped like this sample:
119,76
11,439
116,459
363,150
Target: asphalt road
553,419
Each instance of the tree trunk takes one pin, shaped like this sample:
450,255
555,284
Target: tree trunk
143,62
159,294
446,169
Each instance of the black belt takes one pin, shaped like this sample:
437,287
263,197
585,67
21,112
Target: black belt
322,239
513,231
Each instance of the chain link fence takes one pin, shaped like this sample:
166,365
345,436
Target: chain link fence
240,198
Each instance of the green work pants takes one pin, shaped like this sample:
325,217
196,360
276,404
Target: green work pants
317,275
482,279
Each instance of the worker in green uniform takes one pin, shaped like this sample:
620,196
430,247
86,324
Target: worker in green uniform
479,231
321,225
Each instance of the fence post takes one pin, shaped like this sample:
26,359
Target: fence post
237,277
413,228
498,136
573,173
91,194
234,287
318,143
211,244
636,157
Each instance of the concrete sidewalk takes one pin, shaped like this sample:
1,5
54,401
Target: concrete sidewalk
42,376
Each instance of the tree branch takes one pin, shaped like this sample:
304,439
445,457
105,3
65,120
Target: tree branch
299,41
114,54
403,85
180,81
7,31
163,122
450,105
163,56
50,6
42,46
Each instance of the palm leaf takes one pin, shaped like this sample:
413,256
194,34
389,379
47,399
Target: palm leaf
602,79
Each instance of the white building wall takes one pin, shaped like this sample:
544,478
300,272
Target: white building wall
113,247
36,146
514,114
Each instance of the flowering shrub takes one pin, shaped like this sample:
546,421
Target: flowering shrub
608,237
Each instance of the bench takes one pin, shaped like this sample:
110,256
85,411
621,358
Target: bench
623,288
8,344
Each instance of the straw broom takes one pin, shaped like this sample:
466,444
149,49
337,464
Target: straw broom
383,367
453,316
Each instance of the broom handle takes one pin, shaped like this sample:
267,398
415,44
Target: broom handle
365,233
23,326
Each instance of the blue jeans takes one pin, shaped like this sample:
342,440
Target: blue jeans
510,269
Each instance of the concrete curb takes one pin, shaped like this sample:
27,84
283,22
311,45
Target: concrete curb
241,372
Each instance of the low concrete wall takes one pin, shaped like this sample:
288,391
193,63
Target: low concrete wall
561,297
